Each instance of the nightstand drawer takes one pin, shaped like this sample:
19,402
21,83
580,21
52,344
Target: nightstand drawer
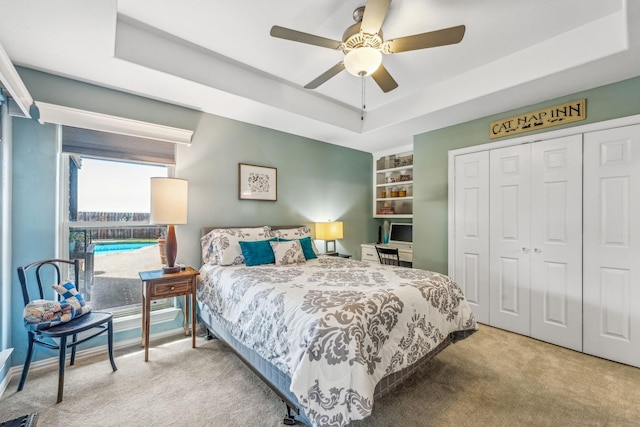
170,289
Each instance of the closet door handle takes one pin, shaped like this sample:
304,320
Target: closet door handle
537,250
525,250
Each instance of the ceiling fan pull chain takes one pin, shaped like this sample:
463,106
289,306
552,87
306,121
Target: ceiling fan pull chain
363,105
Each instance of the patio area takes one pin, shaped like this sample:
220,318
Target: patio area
116,281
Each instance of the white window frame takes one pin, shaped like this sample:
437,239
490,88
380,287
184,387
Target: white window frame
66,224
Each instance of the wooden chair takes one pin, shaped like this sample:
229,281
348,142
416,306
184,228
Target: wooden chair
97,322
388,256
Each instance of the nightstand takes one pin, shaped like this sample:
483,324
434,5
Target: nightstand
339,255
156,285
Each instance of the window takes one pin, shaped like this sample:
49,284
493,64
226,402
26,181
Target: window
109,230
105,212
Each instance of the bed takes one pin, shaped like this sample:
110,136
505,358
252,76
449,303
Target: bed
329,335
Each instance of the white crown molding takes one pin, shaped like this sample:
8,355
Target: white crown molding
14,84
51,113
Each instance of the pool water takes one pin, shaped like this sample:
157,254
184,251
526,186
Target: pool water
120,247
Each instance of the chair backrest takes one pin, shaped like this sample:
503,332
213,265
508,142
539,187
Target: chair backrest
49,270
388,256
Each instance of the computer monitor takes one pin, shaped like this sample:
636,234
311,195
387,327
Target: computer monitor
401,234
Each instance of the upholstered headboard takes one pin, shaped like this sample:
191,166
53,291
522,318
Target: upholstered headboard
205,230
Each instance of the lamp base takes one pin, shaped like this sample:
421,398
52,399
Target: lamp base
171,270
330,247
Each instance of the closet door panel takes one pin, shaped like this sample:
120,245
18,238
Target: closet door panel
612,244
510,229
556,241
471,228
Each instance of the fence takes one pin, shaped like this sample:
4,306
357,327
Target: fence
135,225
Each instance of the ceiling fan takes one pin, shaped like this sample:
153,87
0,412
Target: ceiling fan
363,44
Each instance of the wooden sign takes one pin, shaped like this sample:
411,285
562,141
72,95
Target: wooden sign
547,117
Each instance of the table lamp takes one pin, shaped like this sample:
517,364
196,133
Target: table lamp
329,232
169,207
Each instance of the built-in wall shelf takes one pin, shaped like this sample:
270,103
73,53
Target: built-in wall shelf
393,186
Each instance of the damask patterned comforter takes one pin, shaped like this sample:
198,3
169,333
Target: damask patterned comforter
336,326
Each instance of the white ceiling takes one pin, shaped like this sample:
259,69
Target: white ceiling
218,57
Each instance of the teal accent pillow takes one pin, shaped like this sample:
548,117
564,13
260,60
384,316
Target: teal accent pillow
257,252
307,248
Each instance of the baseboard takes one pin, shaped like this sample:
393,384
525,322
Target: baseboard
5,382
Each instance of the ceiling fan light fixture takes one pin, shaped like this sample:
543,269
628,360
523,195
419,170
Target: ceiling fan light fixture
362,61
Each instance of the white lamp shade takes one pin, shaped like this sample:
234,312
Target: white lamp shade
329,230
362,61
169,201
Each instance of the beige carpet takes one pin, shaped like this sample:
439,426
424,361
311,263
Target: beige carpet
494,378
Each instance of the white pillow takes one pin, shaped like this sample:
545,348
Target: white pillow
222,245
289,252
295,233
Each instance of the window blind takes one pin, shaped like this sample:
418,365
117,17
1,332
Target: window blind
116,146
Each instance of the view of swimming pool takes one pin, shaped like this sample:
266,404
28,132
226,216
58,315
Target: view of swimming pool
119,247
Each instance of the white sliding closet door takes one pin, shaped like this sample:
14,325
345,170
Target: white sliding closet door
510,229
612,244
471,228
556,241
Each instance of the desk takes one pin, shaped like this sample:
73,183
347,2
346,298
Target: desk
369,252
156,285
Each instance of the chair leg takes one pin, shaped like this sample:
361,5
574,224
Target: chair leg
61,362
27,363
110,344
73,350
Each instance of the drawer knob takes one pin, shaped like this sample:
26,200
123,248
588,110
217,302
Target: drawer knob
173,287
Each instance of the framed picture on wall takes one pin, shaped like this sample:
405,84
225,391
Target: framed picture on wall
257,182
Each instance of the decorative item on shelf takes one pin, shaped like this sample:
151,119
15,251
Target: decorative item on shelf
169,207
390,179
395,192
403,161
387,209
405,177
383,194
329,232
402,192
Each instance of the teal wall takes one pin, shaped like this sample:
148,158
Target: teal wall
316,181
34,226
430,162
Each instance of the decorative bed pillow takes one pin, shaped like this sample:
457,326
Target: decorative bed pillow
209,256
43,314
222,245
295,233
307,246
70,295
257,252
287,252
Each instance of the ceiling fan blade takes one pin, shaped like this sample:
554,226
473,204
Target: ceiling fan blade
325,76
298,36
384,79
442,37
374,13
